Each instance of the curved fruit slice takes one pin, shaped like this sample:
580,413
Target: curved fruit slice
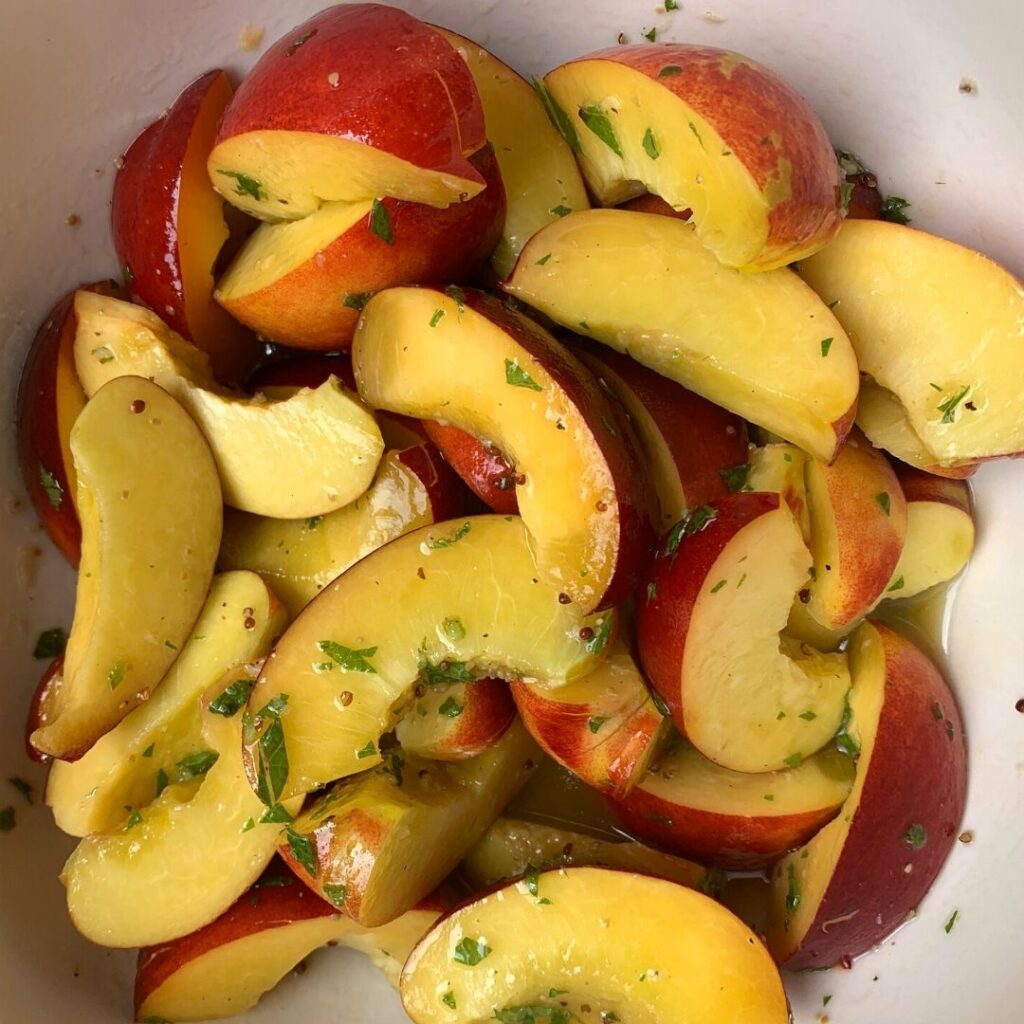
482,466
511,848
541,178
696,450
169,228
50,681
350,662
709,630
779,468
376,844
735,820
604,728
304,456
884,420
181,862
466,359
457,721
628,946
938,325
299,557
761,345
857,880
940,532
710,130
303,282
49,401
358,102
858,519
128,767
223,969
150,507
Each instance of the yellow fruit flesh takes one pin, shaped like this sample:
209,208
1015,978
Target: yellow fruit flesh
940,539
644,285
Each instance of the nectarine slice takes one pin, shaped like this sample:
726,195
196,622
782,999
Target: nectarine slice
299,557
861,875
511,847
184,859
358,102
604,728
150,507
484,469
735,820
224,969
350,662
375,844
627,946
708,130
936,324
761,345
779,467
458,721
710,627
464,358
542,180
303,456
128,767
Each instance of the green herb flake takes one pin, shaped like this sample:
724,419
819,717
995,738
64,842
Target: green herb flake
380,222
449,999
195,765
23,787
937,712
718,586
560,210
948,926
170,646
735,477
451,708
668,70
395,764
846,189
659,703
518,377
336,893
453,628
245,186
437,543
693,128
892,210
594,724
471,951
793,891
600,124
162,781
650,144
356,300
558,117
103,354
543,260
276,815
897,584
692,523
313,523
350,659
539,1014
826,344
301,847
808,716
916,837
7,821
948,407
50,484
300,41
50,643
794,760
531,879
368,751
436,318
884,502
595,644
769,796
845,743
233,699
458,296
671,5
554,993
248,826
116,675
652,591
135,818
444,672
826,1000
650,35
271,763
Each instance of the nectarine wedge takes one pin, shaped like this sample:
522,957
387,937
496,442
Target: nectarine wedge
350,662
708,130
150,507
484,469
763,346
626,946
468,360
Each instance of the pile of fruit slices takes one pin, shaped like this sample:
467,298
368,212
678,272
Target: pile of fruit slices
617,488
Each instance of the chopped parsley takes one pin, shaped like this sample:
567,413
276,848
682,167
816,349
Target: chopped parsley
916,837
594,724
650,144
449,999
884,502
735,477
543,260
518,377
380,222
531,879
233,699
271,754
669,69
278,814
471,951
395,764
560,210
650,35
845,743
826,344
948,407
718,586
194,765
301,847
539,1014
897,584
357,300
336,893
948,926
451,708
444,672
103,354
245,186
436,318
595,644
892,210
794,760
248,825
162,781
652,591
133,819
693,128
436,543
116,675
458,296
558,117
808,716
793,890
693,522
671,5
453,628
50,484
350,659
599,123
50,643
368,751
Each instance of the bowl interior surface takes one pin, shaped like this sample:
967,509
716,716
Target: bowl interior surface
885,76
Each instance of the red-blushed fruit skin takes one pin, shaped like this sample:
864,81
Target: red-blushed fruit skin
444,489
487,713
746,102
484,470
897,794
304,308
147,197
921,486
37,717
403,88
672,584
703,438
562,730
729,841
40,445
605,420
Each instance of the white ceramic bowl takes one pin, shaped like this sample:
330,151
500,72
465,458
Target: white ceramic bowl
78,80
